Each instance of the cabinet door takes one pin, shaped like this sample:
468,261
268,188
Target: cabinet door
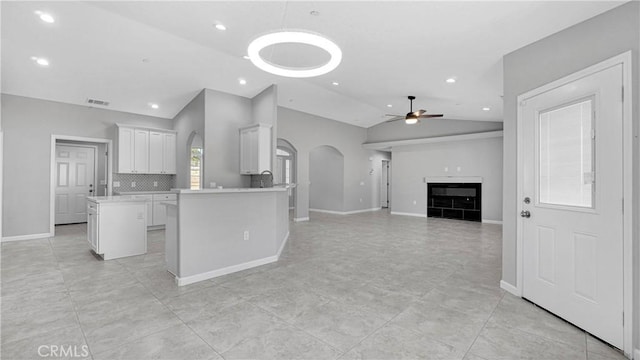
92,228
141,151
125,150
156,152
249,151
169,153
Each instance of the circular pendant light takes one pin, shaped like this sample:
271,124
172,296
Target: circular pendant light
298,37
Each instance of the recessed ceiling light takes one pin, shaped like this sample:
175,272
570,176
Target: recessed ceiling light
335,83
242,81
298,37
486,108
40,61
154,106
451,80
221,27
48,18
389,105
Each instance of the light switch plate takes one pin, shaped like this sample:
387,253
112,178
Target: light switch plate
133,184
116,184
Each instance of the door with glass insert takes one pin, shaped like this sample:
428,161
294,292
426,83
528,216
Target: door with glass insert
571,211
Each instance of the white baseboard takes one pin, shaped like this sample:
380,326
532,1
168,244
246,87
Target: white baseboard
345,212
510,288
224,271
362,211
301,219
327,211
409,214
233,268
284,242
27,237
487,221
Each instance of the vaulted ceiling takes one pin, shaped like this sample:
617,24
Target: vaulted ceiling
134,54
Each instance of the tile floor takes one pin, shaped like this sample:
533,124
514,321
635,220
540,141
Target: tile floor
367,286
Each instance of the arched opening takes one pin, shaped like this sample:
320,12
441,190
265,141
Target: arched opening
326,175
285,170
195,150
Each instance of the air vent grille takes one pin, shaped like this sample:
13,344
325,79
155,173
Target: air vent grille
97,102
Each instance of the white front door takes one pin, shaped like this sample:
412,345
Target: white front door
75,180
572,209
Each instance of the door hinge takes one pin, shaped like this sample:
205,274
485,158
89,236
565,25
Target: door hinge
623,318
622,94
593,131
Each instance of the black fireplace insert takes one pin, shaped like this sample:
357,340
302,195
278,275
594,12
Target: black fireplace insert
462,201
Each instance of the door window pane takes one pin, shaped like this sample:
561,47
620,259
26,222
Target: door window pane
566,155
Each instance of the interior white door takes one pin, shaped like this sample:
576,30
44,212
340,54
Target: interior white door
75,180
384,185
572,220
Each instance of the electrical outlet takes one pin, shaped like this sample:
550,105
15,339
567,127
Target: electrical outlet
459,168
133,184
116,184
414,202
155,184
246,235
360,199
446,169
361,183
103,182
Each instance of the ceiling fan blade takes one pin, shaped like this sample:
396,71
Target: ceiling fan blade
395,119
420,112
430,116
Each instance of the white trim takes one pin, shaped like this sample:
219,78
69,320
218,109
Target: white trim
300,219
487,221
627,139
181,281
284,242
510,288
409,214
327,211
386,145
636,354
27,237
52,173
454,179
346,212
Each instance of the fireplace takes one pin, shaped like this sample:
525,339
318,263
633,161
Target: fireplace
460,201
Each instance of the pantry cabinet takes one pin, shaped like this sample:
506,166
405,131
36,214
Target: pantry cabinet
255,149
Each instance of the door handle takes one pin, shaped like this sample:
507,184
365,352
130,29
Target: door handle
525,214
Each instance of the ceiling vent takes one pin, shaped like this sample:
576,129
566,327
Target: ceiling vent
97,102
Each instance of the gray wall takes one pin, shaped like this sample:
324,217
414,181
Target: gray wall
410,164
326,173
28,125
189,120
305,132
398,130
224,115
552,58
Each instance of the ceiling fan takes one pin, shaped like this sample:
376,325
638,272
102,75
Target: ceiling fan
412,116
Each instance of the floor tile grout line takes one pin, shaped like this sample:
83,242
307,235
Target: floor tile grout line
73,302
483,326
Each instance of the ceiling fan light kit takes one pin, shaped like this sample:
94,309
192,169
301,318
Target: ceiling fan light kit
298,37
412,117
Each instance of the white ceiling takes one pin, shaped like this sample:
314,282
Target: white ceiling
390,50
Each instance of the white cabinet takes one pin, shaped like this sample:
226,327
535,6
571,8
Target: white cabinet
156,212
144,151
162,152
255,149
117,228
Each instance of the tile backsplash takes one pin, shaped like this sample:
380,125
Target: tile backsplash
144,182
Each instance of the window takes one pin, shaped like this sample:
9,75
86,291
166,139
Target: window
566,153
196,168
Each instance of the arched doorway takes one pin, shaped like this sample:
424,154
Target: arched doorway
285,169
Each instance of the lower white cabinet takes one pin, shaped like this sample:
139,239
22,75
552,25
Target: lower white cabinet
156,212
116,227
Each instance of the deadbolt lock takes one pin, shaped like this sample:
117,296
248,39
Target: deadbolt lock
527,200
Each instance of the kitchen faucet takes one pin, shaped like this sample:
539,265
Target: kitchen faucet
262,178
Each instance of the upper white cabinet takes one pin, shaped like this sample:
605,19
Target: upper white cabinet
162,152
144,151
255,149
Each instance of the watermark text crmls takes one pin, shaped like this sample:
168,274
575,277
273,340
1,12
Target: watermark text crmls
63,351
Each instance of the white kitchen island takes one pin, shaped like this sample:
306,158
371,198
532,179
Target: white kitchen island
213,232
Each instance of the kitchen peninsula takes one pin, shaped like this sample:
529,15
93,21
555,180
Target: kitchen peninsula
213,232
